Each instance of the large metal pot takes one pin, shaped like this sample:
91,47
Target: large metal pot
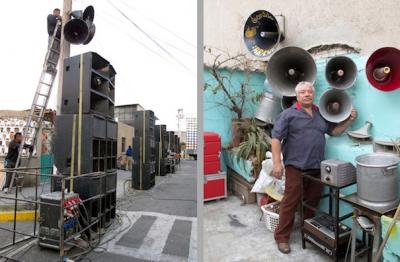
269,108
377,179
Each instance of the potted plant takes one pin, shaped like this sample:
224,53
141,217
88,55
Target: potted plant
236,93
256,144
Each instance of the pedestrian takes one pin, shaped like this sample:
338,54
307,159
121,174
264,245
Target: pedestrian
129,159
52,23
12,156
299,134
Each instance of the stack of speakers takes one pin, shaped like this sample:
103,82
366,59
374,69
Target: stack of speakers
171,141
144,150
98,132
161,149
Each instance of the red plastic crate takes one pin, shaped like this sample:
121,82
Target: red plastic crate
215,186
212,143
212,164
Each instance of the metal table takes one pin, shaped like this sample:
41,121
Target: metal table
374,213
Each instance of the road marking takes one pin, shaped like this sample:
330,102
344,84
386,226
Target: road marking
154,242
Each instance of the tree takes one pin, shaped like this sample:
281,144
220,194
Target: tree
235,95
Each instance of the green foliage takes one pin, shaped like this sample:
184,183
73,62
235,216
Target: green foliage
257,143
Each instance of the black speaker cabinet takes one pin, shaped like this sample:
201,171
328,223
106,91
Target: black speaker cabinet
98,85
144,122
98,144
144,149
143,176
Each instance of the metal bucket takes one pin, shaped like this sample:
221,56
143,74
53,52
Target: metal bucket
377,179
269,108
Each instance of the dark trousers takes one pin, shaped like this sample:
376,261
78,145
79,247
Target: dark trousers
9,175
290,201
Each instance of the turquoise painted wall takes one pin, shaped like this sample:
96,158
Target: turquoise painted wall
218,118
380,108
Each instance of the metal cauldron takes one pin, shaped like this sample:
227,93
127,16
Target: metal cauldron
377,179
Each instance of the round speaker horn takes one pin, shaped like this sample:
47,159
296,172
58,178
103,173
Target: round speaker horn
383,69
268,109
335,105
261,33
88,14
341,72
76,31
92,31
289,66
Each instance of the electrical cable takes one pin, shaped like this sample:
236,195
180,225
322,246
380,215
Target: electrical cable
139,42
148,36
160,25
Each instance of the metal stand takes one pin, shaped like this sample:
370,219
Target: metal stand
337,248
374,214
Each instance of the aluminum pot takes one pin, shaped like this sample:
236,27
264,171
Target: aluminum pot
377,179
269,108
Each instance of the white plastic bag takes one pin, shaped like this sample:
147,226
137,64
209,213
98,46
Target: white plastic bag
266,183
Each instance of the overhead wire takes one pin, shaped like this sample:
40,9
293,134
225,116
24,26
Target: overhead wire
150,37
135,39
160,25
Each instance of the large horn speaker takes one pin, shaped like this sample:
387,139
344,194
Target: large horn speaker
269,108
289,66
341,72
335,105
80,29
383,69
262,33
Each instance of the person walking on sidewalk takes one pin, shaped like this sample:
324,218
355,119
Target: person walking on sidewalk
299,134
129,159
12,156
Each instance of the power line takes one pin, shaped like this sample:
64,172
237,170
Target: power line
139,42
158,38
148,36
160,25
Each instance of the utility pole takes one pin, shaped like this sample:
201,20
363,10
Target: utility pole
64,51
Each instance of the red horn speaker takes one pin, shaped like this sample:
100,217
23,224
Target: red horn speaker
383,69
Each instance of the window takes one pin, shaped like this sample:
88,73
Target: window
123,144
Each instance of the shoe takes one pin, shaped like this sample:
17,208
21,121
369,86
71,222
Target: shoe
5,190
284,248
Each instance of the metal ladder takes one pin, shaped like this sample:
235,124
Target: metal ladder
41,99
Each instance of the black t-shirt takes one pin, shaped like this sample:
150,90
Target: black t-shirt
51,24
13,149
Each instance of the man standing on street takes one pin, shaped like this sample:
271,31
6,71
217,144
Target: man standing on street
299,134
129,159
52,22
12,156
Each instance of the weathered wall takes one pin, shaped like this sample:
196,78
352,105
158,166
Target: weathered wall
126,131
364,24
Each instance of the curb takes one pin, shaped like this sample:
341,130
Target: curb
25,215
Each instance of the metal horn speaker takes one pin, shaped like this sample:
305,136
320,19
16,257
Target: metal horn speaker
80,29
335,105
268,109
383,69
289,66
341,72
262,33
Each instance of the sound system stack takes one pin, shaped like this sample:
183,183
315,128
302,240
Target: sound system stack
161,149
144,150
98,134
